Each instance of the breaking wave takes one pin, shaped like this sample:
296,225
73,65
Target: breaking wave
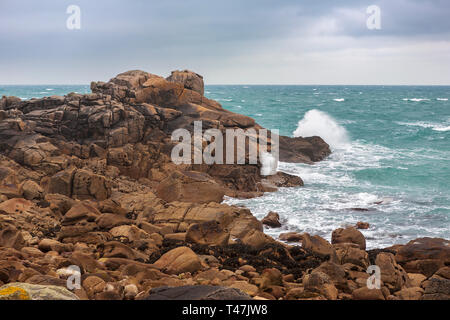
319,123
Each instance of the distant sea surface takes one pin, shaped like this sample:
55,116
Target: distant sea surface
390,164
40,91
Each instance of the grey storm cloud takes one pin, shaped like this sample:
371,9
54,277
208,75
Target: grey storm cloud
117,35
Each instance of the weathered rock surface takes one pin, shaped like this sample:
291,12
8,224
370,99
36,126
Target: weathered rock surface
179,260
209,233
350,235
424,255
272,220
26,291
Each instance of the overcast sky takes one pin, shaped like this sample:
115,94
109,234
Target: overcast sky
228,42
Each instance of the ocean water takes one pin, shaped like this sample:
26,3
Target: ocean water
390,160
26,92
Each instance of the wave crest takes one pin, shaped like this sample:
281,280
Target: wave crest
319,123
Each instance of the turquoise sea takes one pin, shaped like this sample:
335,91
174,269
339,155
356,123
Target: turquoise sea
391,155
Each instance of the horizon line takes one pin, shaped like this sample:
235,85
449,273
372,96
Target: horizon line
249,84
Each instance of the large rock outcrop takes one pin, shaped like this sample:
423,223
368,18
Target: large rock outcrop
88,181
124,127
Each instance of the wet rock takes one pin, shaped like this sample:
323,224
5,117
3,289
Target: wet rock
362,225
291,237
303,150
272,220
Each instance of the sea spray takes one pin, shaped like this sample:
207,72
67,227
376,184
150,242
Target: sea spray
319,123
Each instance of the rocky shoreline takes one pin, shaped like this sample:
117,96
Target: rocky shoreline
87,181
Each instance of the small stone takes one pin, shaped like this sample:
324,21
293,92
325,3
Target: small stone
362,225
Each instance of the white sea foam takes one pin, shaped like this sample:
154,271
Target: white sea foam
332,192
415,99
426,125
339,100
319,123
442,129
442,99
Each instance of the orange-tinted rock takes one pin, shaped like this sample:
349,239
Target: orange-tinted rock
272,220
350,235
362,225
179,260
424,255
190,186
291,237
209,233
